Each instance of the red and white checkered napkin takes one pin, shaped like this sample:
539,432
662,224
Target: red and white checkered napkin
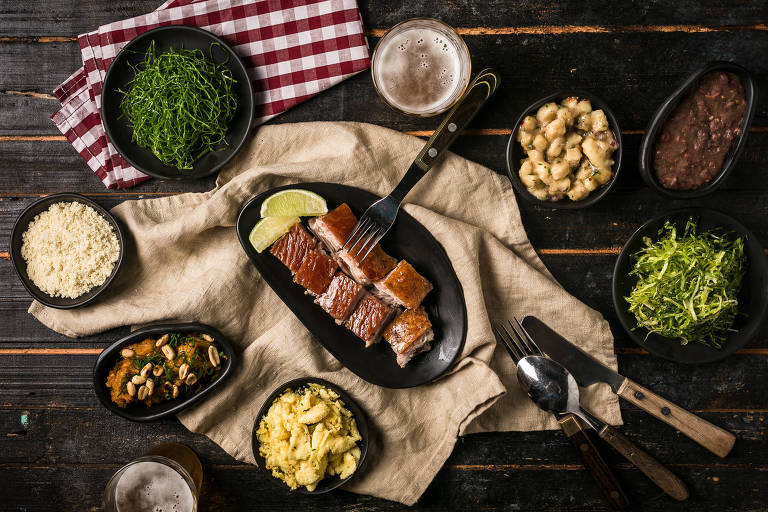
293,49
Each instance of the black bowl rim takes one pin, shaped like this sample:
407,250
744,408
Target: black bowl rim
357,413
39,295
669,104
744,335
108,357
237,61
566,204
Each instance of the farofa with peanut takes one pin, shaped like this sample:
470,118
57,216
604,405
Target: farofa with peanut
154,370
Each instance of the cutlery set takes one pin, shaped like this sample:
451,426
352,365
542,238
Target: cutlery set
550,370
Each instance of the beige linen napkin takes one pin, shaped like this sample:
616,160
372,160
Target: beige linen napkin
185,263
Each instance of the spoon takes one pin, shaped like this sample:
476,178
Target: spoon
551,386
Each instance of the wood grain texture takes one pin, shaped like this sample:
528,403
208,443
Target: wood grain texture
647,464
593,461
59,446
713,438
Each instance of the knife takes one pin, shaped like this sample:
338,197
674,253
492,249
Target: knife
593,461
588,370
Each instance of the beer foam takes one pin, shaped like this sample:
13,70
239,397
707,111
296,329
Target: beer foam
418,70
152,487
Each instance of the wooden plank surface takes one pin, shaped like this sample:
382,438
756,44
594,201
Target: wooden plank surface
59,446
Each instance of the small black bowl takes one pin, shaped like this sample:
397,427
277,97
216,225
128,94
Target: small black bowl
660,116
140,412
515,152
120,73
329,483
20,265
753,297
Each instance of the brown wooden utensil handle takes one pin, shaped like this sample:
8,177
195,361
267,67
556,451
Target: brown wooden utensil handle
593,461
477,93
653,469
711,437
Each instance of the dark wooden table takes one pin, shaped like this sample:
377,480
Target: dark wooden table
58,446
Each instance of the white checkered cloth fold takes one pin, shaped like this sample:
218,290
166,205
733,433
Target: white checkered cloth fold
293,49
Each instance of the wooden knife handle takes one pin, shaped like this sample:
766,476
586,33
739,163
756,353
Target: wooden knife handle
594,462
653,469
711,437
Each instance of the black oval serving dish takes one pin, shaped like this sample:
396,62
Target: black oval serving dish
660,116
118,75
753,297
515,152
20,226
140,412
330,483
407,239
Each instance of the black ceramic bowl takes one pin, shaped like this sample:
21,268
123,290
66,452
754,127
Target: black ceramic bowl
515,151
140,412
329,483
753,297
20,265
666,108
120,73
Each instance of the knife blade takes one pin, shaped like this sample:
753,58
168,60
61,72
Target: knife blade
588,370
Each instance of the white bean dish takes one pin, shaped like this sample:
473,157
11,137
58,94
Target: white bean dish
569,150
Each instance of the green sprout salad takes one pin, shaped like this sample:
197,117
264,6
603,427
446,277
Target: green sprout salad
687,284
180,105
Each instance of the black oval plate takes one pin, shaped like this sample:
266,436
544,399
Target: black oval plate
20,265
753,297
515,152
140,412
330,483
660,117
406,240
120,73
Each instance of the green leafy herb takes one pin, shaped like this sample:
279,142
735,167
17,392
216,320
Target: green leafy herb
180,104
687,285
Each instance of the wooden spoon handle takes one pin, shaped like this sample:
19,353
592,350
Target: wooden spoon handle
652,468
711,437
593,461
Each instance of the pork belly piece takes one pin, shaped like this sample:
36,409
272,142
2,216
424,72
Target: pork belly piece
334,227
374,267
293,247
341,297
409,334
315,272
403,287
369,319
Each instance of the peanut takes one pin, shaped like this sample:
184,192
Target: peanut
169,352
213,355
127,353
138,380
162,340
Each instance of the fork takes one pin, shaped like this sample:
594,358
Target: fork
380,216
572,428
521,345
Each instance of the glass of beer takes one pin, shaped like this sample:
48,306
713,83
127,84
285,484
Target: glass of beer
421,67
166,479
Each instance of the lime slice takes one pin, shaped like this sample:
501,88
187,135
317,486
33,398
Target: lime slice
269,229
293,202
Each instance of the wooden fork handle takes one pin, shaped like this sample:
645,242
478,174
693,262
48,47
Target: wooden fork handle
652,468
593,461
711,437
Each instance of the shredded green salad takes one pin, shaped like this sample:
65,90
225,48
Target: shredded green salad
687,284
180,104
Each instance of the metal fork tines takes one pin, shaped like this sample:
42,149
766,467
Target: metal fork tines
519,344
371,227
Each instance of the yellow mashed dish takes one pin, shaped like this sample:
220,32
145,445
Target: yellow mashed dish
308,435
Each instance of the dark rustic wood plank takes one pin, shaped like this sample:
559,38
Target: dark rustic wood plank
607,64
64,18
227,487
734,383
109,438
